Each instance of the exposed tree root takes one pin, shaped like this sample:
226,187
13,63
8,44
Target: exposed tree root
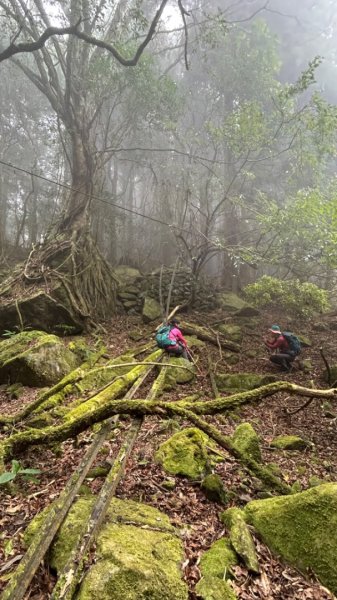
203,334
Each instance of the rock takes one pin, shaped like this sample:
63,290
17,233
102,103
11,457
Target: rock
194,342
15,390
230,302
41,311
127,275
289,442
232,332
246,440
175,374
212,588
241,538
320,326
35,359
305,365
151,310
304,340
230,358
130,304
302,529
241,382
213,488
188,453
218,560
133,561
127,296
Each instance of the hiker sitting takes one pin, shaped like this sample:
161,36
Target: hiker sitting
179,348
284,354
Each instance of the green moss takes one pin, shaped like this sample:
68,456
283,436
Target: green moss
289,442
301,528
241,538
194,342
151,310
188,453
35,358
174,375
240,382
213,488
230,302
246,440
232,332
218,560
211,588
69,534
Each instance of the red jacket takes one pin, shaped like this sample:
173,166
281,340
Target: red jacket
279,344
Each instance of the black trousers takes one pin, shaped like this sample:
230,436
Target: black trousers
177,350
283,360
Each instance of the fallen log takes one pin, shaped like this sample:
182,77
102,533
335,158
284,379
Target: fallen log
68,580
205,336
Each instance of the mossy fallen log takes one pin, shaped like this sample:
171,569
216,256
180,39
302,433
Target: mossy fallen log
69,578
206,336
24,573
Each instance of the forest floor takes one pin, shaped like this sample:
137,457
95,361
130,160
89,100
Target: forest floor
196,517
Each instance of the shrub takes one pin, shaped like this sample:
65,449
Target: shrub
292,296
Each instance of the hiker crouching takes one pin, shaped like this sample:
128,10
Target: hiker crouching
170,338
286,346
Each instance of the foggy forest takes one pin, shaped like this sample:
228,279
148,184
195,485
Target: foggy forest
168,299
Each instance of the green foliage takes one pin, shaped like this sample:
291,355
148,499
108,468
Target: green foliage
17,470
299,299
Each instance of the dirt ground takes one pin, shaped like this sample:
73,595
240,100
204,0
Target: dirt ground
194,516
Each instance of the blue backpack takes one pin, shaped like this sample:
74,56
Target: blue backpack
293,341
162,337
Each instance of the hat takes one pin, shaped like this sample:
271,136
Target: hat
174,321
275,329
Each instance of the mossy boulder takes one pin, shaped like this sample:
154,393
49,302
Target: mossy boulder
302,529
36,359
212,588
213,488
230,358
127,275
246,440
289,442
188,453
219,560
175,374
305,341
241,382
230,302
241,538
151,310
134,561
194,342
232,332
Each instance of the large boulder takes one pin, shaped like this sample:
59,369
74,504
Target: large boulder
36,359
151,310
230,302
241,382
302,529
176,374
127,275
40,310
137,552
231,332
188,452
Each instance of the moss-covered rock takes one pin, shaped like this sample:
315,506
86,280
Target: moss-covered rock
178,375
35,358
305,341
194,342
187,453
241,382
134,562
230,302
218,560
213,488
289,442
151,310
212,588
246,440
231,358
231,332
305,365
127,275
302,529
241,538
